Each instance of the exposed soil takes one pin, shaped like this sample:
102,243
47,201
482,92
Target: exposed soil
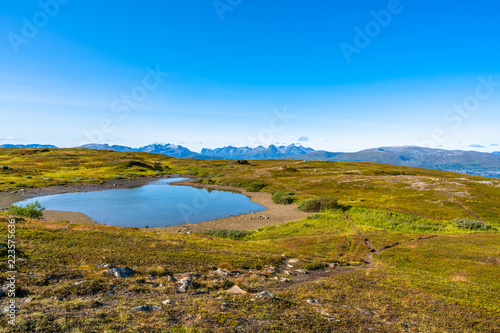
273,215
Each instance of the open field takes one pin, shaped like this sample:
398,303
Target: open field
390,259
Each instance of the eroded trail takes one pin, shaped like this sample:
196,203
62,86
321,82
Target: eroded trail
456,202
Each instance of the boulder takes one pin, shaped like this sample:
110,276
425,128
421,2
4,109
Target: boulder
264,294
146,308
185,282
236,290
121,273
222,271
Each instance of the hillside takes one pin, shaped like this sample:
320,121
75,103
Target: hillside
389,259
466,162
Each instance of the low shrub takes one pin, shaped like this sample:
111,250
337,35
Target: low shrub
225,233
23,185
319,204
281,197
471,224
33,210
255,186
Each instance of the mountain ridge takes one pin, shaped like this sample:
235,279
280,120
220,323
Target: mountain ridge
461,161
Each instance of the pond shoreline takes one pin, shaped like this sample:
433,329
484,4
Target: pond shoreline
7,198
273,214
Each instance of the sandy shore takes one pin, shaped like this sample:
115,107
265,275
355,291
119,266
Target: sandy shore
273,215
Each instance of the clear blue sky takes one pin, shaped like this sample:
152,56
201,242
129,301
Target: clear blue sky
232,64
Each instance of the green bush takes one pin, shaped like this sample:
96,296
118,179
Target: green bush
318,204
281,197
255,186
22,185
33,210
197,181
471,224
225,233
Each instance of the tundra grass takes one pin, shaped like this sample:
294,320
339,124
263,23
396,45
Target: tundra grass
390,260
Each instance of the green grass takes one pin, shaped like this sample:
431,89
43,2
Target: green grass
225,233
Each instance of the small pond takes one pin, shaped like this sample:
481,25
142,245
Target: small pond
158,204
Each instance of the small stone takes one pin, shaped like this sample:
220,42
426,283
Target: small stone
236,290
264,294
300,270
222,271
146,308
167,302
121,273
28,299
171,278
313,301
272,270
185,282
292,261
226,305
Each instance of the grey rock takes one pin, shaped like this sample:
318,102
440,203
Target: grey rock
190,274
272,270
222,271
121,273
313,301
300,270
167,302
264,294
185,282
146,308
292,261
171,278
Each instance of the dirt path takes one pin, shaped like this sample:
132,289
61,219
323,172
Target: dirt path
456,202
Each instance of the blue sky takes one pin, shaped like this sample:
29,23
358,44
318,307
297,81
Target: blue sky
339,75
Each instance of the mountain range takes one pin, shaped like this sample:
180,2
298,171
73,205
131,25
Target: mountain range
461,161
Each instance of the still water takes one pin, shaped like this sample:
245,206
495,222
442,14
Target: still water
155,205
